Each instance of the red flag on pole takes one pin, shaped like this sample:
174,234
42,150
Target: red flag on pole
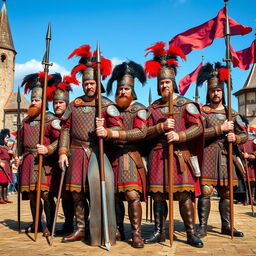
202,36
245,57
187,80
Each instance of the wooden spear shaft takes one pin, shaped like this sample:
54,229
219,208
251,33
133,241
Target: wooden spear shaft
170,169
42,127
230,145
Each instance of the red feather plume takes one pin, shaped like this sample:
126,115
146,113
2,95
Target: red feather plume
176,51
75,70
157,49
83,51
105,67
50,92
223,75
172,62
27,86
152,68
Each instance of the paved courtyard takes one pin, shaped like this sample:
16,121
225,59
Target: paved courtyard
13,243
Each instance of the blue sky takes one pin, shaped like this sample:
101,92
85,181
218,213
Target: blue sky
124,28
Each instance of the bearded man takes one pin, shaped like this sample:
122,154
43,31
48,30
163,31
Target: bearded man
218,133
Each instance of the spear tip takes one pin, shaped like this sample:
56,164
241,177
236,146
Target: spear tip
49,32
98,52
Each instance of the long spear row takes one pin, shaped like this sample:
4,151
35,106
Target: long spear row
46,64
230,146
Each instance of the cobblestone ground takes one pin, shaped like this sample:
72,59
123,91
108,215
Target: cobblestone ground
13,243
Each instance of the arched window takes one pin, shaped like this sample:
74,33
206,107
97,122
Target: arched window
3,58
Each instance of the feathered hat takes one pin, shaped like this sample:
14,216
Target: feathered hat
215,75
87,65
3,134
125,74
58,88
34,83
165,62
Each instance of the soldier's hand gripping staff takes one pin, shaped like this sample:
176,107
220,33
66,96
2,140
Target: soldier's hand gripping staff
218,133
79,141
31,149
123,151
186,127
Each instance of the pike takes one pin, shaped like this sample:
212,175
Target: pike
19,154
57,205
101,157
230,146
170,170
46,64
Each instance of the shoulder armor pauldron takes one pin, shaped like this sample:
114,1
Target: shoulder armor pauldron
67,113
156,103
240,122
49,116
143,114
181,101
56,124
112,110
136,107
192,109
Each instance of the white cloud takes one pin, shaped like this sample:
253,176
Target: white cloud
34,66
116,61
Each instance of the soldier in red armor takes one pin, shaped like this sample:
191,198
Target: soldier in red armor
186,128
78,137
29,140
5,168
124,153
218,132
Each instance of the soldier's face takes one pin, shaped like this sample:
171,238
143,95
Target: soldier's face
124,91
215,95
90,88
165,86
59,107
36,102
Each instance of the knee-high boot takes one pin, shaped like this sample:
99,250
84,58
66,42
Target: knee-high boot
120,212
224,208
135,215
203,208
160,214
5,194
79,208
49,209
187,214
2,201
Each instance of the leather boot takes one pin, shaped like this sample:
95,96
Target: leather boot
135,215
68,210
224,208
160,213
187,214
1,195
120,212
203,208
5,193
49,209
31,227
78,234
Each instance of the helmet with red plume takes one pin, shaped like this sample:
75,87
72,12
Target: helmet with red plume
58,88
34,83
215,76
87,65
164,64
125,74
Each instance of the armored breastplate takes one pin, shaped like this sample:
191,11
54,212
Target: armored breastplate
83,123
31,134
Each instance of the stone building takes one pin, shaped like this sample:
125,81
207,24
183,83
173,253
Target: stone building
247,97
8,104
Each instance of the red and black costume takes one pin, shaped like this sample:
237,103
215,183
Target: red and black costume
189,127
215,164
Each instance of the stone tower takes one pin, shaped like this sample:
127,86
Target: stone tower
7,62
247,97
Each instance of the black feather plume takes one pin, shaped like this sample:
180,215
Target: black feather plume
204,74
137,71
